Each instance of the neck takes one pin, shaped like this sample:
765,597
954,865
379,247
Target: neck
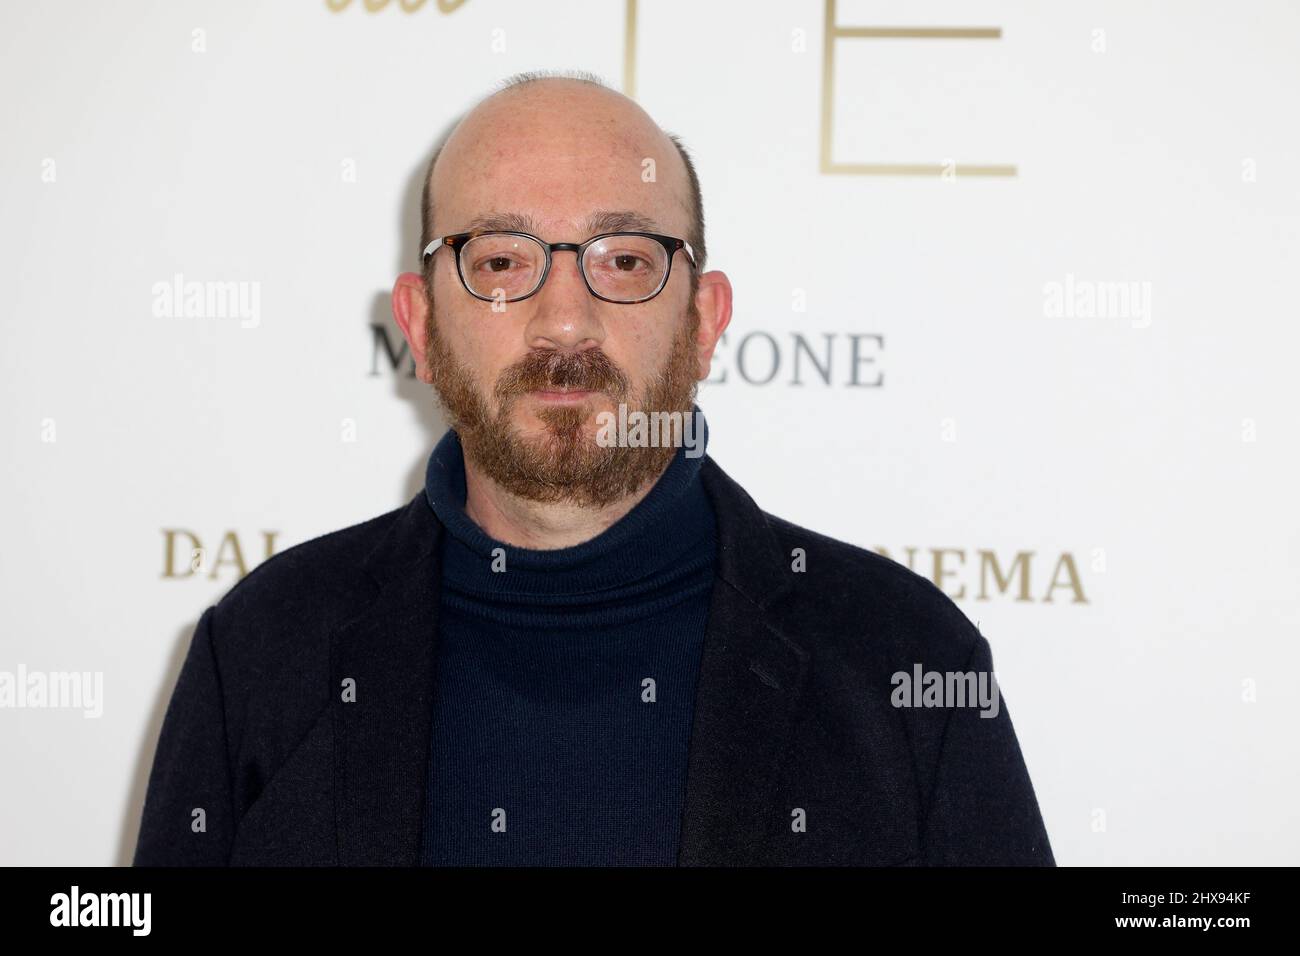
525,523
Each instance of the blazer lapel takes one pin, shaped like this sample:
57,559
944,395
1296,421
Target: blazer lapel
382,738
751,678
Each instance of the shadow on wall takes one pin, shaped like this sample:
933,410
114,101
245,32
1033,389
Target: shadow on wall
130,831
416,394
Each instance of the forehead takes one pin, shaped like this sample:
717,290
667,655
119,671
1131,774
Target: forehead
598,221
558,177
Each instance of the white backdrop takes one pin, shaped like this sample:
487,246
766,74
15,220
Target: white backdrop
1143,159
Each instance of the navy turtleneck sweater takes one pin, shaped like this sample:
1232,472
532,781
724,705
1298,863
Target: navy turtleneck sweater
565,683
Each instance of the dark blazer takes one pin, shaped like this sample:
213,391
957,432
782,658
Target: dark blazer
792,711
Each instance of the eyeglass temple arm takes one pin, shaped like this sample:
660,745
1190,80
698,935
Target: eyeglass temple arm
686,246
429,249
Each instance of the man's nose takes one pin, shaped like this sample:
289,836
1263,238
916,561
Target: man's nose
565,315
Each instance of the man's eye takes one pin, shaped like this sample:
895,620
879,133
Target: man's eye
497,263
627,262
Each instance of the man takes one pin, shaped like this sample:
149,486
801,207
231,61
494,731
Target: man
571,647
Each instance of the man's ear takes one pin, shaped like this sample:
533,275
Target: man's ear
411,313
713,301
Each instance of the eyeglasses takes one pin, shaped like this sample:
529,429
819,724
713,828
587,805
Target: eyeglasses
622,267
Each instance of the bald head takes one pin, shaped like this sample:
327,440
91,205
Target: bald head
561,150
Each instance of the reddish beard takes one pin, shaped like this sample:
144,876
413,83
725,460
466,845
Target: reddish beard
565,463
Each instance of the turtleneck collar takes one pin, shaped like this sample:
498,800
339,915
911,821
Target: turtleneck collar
661,536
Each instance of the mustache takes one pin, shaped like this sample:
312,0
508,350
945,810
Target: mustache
552,369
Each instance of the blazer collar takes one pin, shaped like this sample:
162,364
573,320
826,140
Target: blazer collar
751,677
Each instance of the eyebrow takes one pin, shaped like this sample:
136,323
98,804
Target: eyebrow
603,220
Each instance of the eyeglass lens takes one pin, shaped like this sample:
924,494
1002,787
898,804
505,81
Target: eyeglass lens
624,268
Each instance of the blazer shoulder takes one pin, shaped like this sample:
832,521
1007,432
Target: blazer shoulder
861,591
315,564
302,592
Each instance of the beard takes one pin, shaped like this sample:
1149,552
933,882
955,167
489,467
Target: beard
565,463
